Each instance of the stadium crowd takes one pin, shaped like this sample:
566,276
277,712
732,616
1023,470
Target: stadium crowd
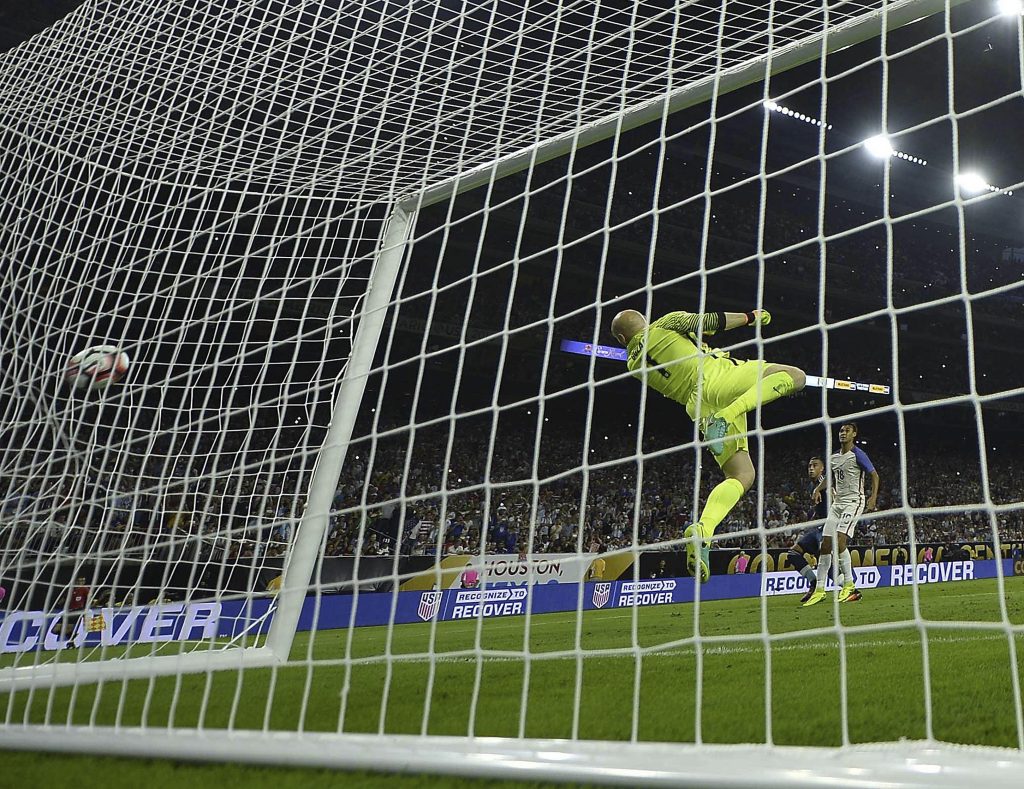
665,508
244,520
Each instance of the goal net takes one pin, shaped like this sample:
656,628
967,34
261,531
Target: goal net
378,489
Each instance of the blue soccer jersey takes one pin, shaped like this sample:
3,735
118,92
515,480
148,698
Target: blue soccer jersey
820,511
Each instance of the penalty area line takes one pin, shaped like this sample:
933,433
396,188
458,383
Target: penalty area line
648,653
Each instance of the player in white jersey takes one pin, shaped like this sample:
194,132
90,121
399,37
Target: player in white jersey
848,468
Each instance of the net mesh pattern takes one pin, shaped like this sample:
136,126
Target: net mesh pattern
364,101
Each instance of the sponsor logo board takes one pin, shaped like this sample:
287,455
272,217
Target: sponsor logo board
602,592
792,582
22,631
506,601
930,573
430,604
496,570
514,570
653,592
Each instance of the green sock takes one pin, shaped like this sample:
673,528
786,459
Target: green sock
769,388
722,499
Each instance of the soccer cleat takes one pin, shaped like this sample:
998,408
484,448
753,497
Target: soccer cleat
715,433
816,597
692,557
846,591
853,597
808,593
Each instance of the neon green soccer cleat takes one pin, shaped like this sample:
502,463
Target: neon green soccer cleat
697,551
817,597
851,596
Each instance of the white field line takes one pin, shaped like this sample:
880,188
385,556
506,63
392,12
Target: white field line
786,641
562,618
734,649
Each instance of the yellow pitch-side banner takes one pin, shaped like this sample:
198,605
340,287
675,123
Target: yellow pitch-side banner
504,569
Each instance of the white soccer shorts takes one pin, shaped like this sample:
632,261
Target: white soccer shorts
842,518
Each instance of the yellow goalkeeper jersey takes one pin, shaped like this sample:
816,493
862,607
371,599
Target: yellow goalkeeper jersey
672,340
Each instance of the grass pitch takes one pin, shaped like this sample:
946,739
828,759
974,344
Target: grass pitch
613,674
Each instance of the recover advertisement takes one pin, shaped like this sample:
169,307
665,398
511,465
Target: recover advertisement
792,582
22,631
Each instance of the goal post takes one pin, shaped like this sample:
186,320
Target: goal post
916,765
297,572
302,559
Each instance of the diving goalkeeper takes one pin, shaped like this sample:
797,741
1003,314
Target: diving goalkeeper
670,356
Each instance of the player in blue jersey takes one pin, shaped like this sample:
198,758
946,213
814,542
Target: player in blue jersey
848,468
809,541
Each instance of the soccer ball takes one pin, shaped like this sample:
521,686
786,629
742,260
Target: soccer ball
96,367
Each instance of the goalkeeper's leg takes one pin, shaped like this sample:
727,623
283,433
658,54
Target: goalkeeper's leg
777,380
739,476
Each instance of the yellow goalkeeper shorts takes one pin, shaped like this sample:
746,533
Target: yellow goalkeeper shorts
724,380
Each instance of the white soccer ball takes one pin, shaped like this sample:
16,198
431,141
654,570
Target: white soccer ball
96,367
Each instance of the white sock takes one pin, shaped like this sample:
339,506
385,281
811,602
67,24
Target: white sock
847,566
808,572
824,563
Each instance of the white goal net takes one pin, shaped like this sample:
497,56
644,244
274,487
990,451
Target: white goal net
378,488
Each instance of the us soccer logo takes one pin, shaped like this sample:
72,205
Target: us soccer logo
430,603
601,594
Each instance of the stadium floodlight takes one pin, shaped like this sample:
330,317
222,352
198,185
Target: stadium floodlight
879,146
975,183
773,106
1010,7
972,183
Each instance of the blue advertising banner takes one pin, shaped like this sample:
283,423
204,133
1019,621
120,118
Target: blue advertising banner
589,349
335,611
22,631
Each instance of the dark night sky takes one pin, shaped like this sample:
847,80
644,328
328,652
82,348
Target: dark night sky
925,251
20,20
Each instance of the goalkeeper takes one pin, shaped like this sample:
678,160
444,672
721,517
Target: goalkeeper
670,356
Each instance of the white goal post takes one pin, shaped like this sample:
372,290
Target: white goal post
253,181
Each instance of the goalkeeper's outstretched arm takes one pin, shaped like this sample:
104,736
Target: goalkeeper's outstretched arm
733,320
629,323
711,322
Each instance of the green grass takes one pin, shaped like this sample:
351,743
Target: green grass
970,676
